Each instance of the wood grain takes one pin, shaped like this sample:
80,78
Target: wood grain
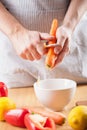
25,97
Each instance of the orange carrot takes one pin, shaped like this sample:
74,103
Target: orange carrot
58,117
51,56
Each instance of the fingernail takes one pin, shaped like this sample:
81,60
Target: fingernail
56,51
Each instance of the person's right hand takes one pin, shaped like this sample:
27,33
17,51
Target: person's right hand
28,44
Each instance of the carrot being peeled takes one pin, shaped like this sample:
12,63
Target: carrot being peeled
51,56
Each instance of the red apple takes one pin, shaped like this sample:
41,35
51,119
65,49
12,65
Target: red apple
3,90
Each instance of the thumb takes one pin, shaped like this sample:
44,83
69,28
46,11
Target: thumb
60,43
46,36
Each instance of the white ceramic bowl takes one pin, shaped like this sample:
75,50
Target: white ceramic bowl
55,93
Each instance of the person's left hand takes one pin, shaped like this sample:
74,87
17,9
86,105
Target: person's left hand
63,36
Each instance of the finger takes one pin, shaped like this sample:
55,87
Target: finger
23,55
66,46
41,49
34,52
46,36
60,43
28,55
62,53
60,57
53,45
45,39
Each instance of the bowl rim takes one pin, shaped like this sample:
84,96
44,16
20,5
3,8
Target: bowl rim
36,84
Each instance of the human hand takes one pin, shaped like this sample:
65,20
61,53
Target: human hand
29,45
62,46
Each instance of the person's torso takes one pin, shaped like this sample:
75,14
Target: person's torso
37,14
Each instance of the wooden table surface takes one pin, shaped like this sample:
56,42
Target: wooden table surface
26,97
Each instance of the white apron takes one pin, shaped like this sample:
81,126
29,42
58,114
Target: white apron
33,14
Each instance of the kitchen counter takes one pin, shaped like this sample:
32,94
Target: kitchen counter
25,97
